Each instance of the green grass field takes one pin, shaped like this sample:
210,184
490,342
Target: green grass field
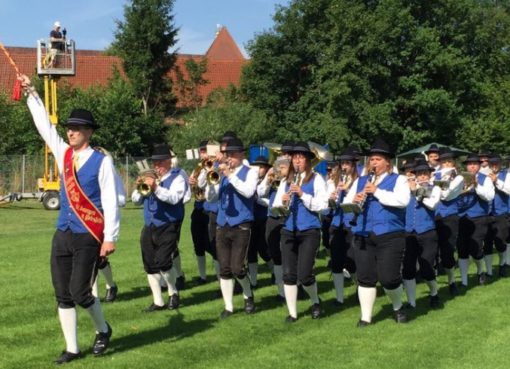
470,331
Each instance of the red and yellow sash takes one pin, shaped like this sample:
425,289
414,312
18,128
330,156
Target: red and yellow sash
82,206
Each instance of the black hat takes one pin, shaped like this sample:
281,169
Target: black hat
233,145
301,147
261,160
421,165
432,148
161,151
350,154
287,146
446,153
81,117
228,136
495,159
355,149
485,153
203,145
472,158
408,166
380,147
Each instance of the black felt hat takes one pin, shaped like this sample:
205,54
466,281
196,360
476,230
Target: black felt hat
301,147
408,166
432,148
81,117
227,136
261,160
203,145
350,154
380,147
161,151
422,165
287,146
446,153
234,145
472,158
495,159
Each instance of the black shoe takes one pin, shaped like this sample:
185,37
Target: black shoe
179,283
363,324
434,301
290,319
503,270
400,316
316,311
408,306
482,279
454,291
153,307
280,299
249,305
225,314
201,281
102,340
67,356
173,302
337,303
111,294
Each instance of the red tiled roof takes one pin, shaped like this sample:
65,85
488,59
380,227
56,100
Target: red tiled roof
224,64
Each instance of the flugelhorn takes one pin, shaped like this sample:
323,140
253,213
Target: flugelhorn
145,171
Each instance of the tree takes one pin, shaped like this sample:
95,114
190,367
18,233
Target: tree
143,41
189,87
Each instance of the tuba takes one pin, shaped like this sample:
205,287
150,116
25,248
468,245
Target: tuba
320,153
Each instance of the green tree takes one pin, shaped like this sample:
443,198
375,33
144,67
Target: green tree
189,87
143,41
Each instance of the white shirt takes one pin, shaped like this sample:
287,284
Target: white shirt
106,175
432,201
503,186
398,198
316,202
454,188
245,188
172,195
486,190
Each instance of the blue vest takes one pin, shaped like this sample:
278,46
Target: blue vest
88,179
234,208
419,218
157,212
472,205
500,202
272,195
446,208
378,218
300,218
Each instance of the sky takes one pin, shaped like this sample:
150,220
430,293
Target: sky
91,23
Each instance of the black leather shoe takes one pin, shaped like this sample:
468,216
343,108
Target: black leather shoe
153,307
503,270
290,319
225,314
173,302
362,324
66,357
249,305
400,316
111,294
179,283
482,279
337,303
454,291
434,301
102,340
316,311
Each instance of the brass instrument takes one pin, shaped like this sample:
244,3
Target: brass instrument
371,179
469,182
213,177
347,180
447,177
144,189
422,191
274,151
199,193
320,153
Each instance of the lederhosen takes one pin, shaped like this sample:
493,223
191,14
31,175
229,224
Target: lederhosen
200,230
340,240
274,226
258,244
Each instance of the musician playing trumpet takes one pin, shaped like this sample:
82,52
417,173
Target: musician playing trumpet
340,234
421,236
379,240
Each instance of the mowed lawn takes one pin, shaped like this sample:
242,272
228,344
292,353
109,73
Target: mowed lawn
470,331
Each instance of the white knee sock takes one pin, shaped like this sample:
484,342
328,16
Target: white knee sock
410,286
227,290
201,266
95,288
108,276
69,324
97,316
366,297
291,292
463,267
502,258
252,272
154,284
311,290
395,296
169,278
245,284
338,282
432,287
488,263
450,274
278,279
176,264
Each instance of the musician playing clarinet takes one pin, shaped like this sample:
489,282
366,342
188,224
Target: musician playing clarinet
379,240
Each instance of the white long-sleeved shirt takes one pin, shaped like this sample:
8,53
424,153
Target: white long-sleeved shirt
454,188
245,188
432,201
398,198
503,186
486,190
106,175
177,191
316,202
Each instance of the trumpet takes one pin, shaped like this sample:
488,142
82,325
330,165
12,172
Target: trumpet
144,189
213,177
198,193
371,179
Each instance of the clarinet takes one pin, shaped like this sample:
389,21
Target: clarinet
371,179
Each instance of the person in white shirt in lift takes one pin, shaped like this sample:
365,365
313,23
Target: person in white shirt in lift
79,241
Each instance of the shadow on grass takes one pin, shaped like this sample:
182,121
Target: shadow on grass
176,328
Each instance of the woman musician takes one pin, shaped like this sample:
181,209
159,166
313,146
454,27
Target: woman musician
421,236
379,232
303,192
340,230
